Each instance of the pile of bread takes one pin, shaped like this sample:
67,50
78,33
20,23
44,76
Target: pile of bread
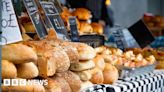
68,66
134,57
84,24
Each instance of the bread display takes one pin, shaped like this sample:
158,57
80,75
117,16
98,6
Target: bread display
27,70
8,69
18,53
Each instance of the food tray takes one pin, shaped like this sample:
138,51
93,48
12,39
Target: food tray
126,72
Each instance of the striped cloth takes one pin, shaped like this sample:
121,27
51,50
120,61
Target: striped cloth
150,82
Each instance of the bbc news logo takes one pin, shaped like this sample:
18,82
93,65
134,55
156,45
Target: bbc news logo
24,82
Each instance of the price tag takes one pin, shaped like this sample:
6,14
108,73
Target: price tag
93,40
10,28
55,20
35,17
74,30
141,34
119,38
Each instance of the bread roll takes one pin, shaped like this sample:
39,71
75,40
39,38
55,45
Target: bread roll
53,86
99,62
97,76
160,65
85,28
72,79
85,52
82,14
81,66
63,84
99,50
84,75
97,28
85,85
8,70
18,53
27,70
110,74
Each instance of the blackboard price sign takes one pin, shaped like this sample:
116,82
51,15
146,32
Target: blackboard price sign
57,4
93,40
74,30
141,34
55,20
35,17
119,38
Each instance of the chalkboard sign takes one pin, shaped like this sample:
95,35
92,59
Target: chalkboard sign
119,38
93,40
74,30
35,17
9,24
55,20
141,34
57,5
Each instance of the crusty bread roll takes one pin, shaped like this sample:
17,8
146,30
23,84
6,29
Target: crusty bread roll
99,50
53,86
81,66
18,53
85,52
84,75
97,28
97,76
159,55
27,70
110,74
82,14
63,84
28,88
72,79
85,85
99,62
85,28
8,70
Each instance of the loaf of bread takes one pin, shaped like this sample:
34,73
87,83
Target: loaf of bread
72,79
81,66
82,14
63,84
53,86
18,53
97,76
27,70
8,70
